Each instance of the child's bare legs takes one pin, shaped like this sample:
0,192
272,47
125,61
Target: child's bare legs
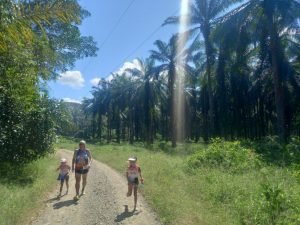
129,193
135,195
77,184
61,187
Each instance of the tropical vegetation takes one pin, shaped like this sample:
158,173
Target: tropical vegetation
38,40
241,69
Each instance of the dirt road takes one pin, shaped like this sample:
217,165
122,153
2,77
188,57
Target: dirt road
105,202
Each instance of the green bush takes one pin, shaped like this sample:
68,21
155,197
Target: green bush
273,205
275,152
225,155
293,151
26,134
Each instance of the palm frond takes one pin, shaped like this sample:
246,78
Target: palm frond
171,20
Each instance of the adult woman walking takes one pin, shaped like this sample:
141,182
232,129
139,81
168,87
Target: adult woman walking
81,162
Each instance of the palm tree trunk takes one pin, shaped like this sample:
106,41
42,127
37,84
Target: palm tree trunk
172,107
276,55
118,128
99,126
131,126
209,64
147,113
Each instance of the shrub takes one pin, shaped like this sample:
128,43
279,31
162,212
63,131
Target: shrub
281,154
225,155
293,151
273,206
25,135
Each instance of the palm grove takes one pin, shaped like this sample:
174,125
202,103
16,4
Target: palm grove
38,40
241,67
242,80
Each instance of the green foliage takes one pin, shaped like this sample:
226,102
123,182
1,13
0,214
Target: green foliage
34,36
25,135
293,150
23,187
272,204
274,151
229,156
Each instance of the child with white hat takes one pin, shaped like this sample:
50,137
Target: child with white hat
133,174
64,170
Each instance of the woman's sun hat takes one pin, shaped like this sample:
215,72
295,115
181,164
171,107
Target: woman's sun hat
82,142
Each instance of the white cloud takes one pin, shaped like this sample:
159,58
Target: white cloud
127,65
71,100
95,81
73,79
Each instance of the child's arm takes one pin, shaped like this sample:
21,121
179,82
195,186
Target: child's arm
140,172
58,168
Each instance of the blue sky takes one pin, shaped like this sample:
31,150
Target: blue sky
140,21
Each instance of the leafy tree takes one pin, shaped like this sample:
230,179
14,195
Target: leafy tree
38,40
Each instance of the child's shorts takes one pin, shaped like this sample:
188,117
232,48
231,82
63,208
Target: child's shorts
135,181
63,178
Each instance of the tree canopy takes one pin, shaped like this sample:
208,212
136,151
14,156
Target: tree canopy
38,40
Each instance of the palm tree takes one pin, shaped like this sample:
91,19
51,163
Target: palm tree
273,21
203,17
167,55
147,91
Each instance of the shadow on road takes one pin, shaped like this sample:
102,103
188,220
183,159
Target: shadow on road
57,198
52,200
66,203
125,214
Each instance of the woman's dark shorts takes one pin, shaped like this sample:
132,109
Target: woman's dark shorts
82,171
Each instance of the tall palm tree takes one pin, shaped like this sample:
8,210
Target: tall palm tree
273,20
203,16
147,91
167,55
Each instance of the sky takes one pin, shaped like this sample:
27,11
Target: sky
119,41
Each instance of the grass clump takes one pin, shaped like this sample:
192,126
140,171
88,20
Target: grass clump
22,189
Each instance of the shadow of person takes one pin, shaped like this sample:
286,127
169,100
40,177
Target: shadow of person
66,203
125,214
52,199
57,198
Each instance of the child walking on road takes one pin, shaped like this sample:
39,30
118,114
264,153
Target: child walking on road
64,170
133,173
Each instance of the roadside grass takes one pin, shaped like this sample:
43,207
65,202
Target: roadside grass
23,190
206,195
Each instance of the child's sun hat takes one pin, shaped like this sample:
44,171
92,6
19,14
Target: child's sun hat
132,159
63,160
